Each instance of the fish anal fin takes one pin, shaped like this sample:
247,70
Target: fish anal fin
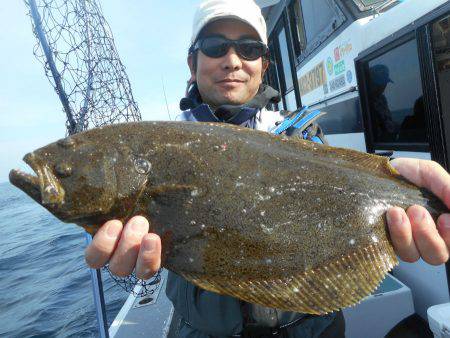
343,282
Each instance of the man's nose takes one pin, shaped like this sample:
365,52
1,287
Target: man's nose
232,61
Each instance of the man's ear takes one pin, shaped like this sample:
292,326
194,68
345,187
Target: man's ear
192,67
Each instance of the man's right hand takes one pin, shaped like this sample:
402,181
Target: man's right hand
125,248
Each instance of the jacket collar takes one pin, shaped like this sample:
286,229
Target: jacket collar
238,115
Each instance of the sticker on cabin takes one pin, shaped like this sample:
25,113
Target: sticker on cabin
315,78
337,54
342,51
337,83
330,66
339,68
349,76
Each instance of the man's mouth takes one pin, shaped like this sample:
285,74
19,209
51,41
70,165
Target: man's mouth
231,81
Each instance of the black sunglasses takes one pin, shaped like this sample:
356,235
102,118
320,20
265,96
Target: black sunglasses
218,46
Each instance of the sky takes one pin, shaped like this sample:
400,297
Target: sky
151,37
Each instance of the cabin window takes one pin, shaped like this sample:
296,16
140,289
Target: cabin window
395,97
297,27
291,103
441,51
440,36
312,22
285,61
272,78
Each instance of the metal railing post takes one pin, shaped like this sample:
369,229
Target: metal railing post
99,298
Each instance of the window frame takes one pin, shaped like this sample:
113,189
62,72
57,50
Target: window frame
283,23
362,71
341,18
293,20
272,75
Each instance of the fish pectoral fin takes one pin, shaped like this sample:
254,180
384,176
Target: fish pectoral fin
341,283
166,194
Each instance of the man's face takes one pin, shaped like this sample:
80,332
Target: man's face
228,79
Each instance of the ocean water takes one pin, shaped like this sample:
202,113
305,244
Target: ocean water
45,286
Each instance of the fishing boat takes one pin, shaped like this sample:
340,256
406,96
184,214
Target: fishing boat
381,72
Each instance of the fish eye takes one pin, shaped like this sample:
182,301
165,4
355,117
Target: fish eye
142,166
63,169
67,142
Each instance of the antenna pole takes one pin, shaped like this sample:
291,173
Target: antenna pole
165,97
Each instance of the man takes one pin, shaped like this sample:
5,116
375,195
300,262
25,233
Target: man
227,65
379,79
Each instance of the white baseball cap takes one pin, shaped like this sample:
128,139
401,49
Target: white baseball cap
244,10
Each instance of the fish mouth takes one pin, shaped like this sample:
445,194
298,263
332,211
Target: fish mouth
27,183
43,187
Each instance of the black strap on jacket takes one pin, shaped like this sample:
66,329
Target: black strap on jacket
252,330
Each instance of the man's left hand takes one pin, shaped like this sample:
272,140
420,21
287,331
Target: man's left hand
414,233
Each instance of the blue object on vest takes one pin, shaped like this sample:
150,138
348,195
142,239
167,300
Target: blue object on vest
300,120
289,122
306,119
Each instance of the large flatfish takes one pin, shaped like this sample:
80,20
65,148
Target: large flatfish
276,221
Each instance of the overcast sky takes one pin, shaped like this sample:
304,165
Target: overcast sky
151,37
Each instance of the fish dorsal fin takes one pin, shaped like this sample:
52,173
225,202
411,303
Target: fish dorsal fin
342,282
375,164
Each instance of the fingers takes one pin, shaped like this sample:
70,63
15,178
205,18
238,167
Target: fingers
427,174
149,258
401,235
124,258
99,251
429,243
126,248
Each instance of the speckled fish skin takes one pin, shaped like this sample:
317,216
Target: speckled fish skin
280,222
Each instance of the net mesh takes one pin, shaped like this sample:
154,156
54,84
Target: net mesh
76,48
128,283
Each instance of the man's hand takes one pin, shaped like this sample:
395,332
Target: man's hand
414,233
125,248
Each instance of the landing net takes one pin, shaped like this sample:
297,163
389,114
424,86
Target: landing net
76,47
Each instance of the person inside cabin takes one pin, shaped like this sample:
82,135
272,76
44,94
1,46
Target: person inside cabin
227,60
412,127
385,126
